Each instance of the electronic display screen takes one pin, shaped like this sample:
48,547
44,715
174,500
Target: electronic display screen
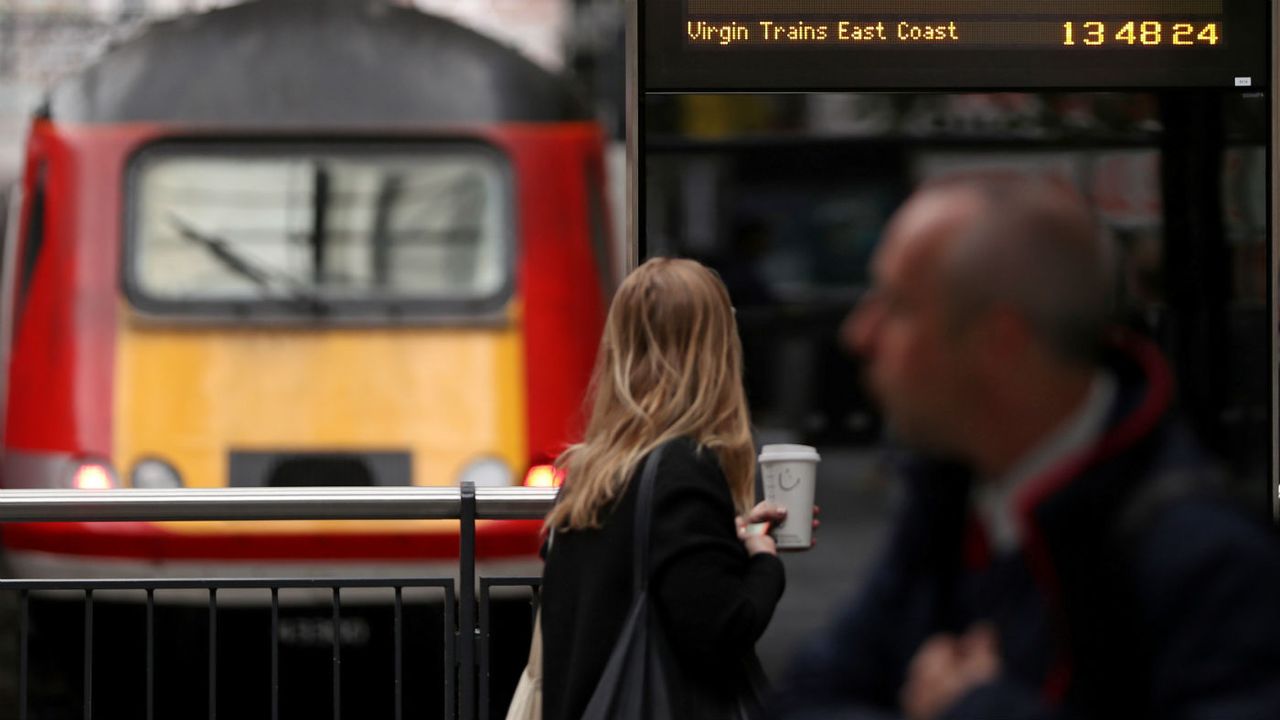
813,45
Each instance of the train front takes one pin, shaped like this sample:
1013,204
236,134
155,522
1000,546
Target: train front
296,244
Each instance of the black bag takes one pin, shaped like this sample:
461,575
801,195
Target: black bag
636,682
640,681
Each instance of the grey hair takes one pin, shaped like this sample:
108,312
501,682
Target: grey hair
1034,245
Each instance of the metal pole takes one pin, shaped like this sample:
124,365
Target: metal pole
514,503
467,604
482,655
1271,261
88,655
634,126
405,503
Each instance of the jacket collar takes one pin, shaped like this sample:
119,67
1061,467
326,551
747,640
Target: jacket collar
1069,514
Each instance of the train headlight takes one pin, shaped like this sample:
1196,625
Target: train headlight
155,475
487,472
93,475
544,476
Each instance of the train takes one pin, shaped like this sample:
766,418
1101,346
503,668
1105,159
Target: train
296,243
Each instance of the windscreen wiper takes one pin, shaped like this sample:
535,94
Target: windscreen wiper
221,250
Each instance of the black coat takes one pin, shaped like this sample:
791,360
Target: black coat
1137,594
713,600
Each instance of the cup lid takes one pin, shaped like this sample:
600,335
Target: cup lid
770,453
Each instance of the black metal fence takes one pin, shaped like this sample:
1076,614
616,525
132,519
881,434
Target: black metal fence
466,651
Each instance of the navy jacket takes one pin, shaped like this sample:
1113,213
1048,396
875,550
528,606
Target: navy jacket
1136,594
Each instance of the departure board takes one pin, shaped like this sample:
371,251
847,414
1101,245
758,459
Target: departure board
813,45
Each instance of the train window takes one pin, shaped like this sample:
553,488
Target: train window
356,224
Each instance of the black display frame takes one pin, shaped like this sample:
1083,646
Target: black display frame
673,65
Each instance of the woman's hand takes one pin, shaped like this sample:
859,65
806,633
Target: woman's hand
753,528
813,541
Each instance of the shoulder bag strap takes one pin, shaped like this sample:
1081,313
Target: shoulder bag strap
534,666
644,520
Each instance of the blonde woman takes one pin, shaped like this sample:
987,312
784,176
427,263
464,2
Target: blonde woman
668,374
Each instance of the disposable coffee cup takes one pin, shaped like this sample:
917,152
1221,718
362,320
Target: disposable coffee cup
789,473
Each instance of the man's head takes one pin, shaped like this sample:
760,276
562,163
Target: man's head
985,289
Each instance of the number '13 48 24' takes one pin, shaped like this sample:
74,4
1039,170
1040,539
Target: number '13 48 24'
1137,32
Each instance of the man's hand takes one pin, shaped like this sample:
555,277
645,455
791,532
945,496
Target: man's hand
946,668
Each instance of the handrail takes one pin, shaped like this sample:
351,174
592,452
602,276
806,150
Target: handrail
231,504
466,504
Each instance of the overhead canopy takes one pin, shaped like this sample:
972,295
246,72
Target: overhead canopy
314,64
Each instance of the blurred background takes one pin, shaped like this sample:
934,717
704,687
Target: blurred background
786,196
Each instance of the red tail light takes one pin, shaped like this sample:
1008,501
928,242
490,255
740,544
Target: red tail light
543,476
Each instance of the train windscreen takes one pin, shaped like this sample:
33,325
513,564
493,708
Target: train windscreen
276,225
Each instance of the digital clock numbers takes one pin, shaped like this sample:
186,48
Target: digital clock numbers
1150,33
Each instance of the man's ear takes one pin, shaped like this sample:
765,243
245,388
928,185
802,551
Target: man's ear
1005,338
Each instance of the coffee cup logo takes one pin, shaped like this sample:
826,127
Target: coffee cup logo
789,474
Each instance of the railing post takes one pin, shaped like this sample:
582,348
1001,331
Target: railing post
467,604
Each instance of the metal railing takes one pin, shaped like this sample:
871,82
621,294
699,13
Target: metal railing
382,503
467,504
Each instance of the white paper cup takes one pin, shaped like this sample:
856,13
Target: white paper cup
789,473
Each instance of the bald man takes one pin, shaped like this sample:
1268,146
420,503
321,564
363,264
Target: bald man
1060,553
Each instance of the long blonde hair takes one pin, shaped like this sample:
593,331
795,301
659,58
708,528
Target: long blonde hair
669,365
